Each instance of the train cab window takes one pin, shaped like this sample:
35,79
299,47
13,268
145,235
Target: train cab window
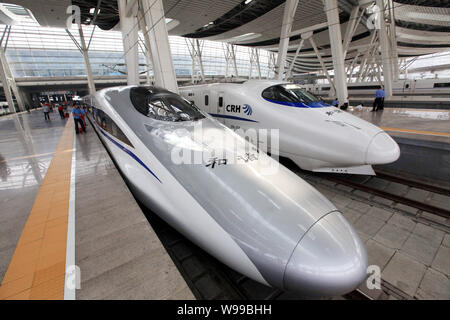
289,93
206,99
163,105
220,101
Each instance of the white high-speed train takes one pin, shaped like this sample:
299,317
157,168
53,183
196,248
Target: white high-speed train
270,225
408,87
313,134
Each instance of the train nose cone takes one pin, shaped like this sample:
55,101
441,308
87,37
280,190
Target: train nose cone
329,260
382,149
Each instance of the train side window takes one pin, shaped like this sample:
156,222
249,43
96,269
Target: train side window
116,132
206,99
220,101
104,121
441,85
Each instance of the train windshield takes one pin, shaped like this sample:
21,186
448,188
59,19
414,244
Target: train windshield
289,93
163,105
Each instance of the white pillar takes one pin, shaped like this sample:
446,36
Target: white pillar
199,59
148,51
352,67
332,91
385,51
233,56
334,28
87,63
352,25
156,31
254,61
258,65
129,28
10,81
6,87
289,73
290,7
393,41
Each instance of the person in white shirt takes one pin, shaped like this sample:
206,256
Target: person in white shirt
46,110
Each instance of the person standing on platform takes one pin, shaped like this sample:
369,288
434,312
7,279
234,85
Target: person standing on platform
77,112
61,111
82,116
378,104
46,110
335,103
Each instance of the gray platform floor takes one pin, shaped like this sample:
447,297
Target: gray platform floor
423,121
119,255
26,149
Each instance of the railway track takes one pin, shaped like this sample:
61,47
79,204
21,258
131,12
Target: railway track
368,185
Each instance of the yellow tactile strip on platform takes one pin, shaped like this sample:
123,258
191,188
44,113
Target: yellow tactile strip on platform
427,133
37,268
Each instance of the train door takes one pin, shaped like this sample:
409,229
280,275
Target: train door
221,106
206,101
407,86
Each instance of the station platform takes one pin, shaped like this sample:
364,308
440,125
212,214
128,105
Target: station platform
423,136
69,226
420,124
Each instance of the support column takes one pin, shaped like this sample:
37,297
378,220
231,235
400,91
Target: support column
129,28
233,57
156,31
334,28
87,63
230,57
271,65
288,17
324,68
352,67
385,51
6,87
199,58
393,41
148,51
258,65
254,60
10,81
289,73
352,25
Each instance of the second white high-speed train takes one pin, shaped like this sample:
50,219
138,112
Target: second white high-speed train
313,134
439,88
269,225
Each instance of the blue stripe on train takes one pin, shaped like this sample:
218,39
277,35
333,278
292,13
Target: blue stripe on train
231,117
300,104
129,152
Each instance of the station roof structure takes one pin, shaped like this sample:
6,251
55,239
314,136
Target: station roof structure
421,26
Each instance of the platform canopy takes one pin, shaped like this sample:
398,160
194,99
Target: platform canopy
421,26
